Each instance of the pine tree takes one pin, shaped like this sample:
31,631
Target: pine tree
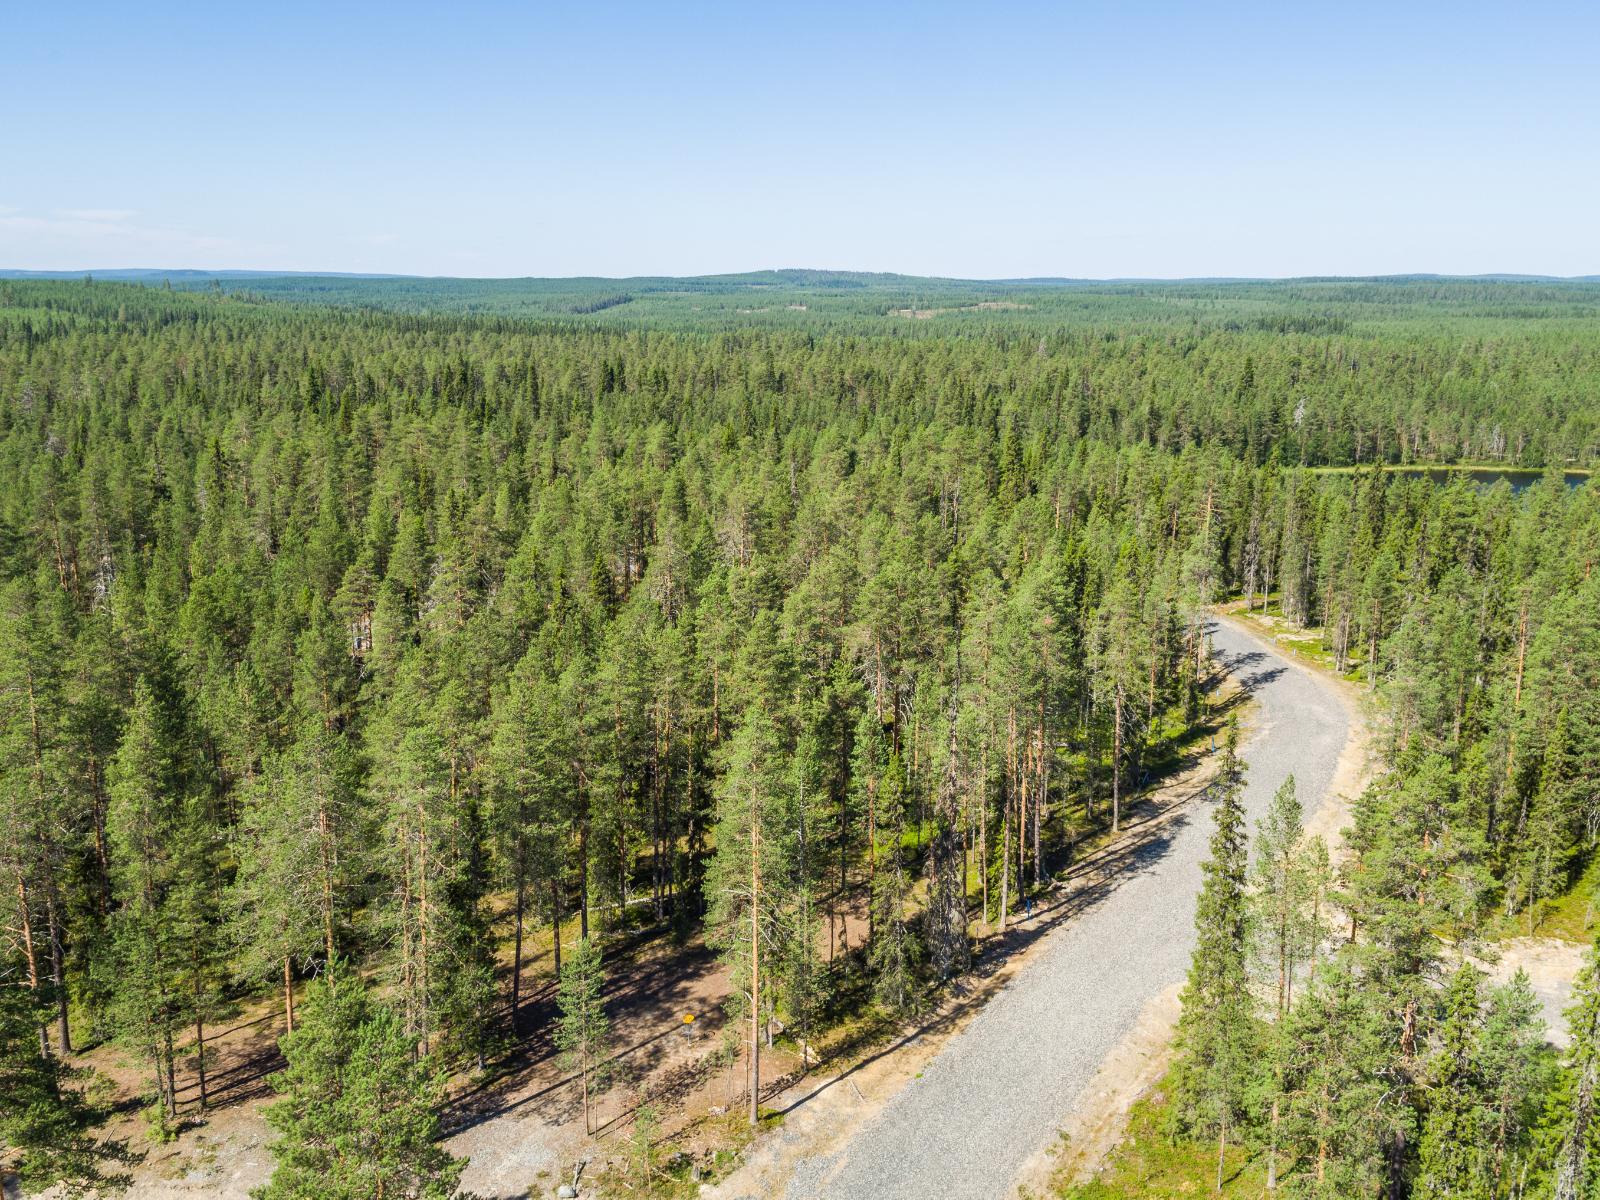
753,839
1217,1035
529,767
356,1110
642,1145
946,914
1339,1094
148,830
197,911
1281,923
867,761
434,859
798,929
583,1030
1119,657
1280,890
36,817
301,853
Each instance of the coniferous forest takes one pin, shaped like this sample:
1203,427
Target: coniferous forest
357,636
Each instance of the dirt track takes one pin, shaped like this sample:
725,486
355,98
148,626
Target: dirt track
983,1110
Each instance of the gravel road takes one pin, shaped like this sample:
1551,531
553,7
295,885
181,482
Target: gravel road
1003,1086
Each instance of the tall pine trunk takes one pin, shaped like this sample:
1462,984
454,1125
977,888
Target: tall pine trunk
58,974
1005,864
555,918
583,879
755,974
516,949
29,954
200,1059
171,1072
1116,761
288,997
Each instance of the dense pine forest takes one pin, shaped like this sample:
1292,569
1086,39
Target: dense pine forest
352,636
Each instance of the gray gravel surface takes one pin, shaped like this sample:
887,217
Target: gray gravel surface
1003,1086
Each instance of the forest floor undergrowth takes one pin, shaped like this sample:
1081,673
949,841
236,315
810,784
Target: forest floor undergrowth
1151,1166
519,1123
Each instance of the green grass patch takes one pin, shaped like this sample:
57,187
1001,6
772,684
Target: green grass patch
1569,917
1148,1165
677,1173
1309,644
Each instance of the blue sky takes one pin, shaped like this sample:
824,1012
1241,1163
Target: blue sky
979,140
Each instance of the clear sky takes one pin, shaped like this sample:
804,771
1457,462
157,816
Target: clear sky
972,139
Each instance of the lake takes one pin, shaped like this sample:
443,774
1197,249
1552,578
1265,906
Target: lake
1520,478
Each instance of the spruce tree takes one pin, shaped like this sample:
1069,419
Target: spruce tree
1453,1155
44,1121
1217,1042
895,950
1578,1131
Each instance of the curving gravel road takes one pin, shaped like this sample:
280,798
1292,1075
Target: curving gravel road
1003,1086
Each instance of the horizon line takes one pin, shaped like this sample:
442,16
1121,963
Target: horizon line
112,273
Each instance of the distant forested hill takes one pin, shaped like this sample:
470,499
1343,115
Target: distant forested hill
810,299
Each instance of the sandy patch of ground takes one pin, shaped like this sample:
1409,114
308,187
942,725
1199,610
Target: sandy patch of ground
524,1129
521,1127
1552,966
923,314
